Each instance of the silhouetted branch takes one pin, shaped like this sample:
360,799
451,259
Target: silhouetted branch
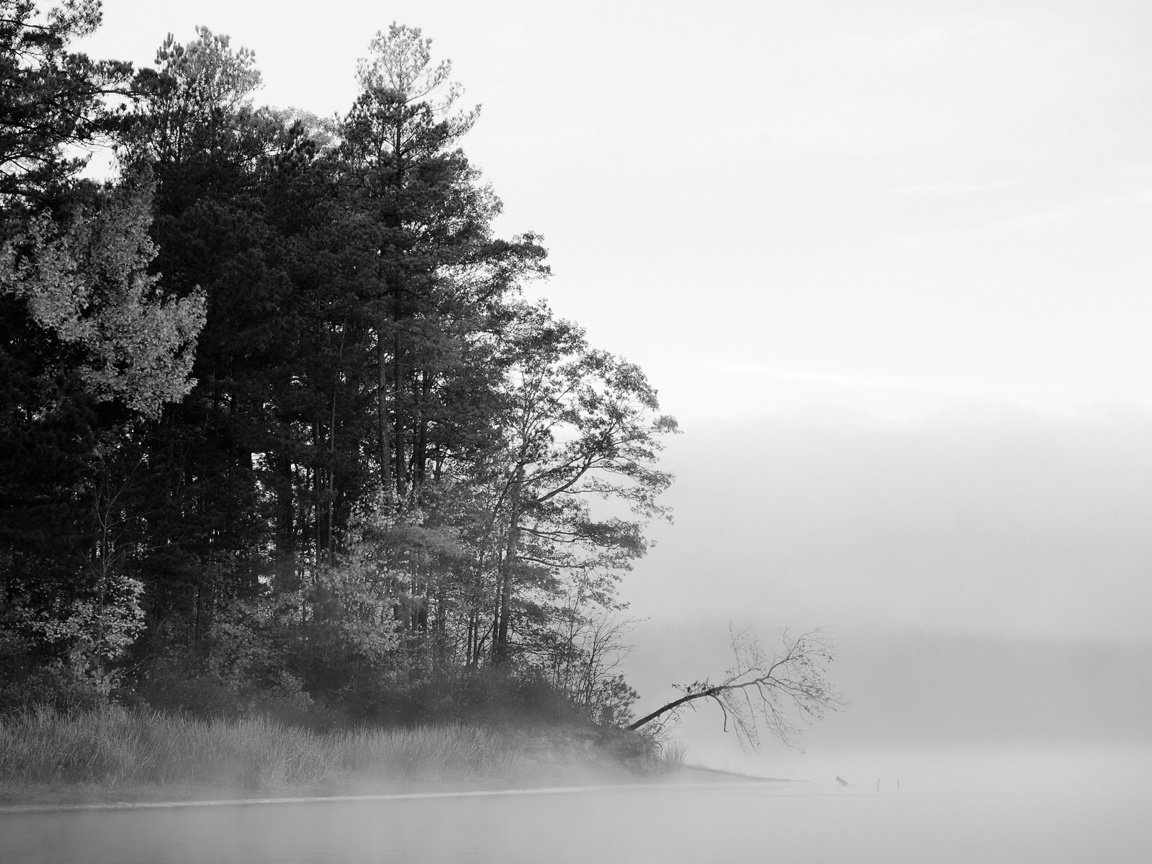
766,690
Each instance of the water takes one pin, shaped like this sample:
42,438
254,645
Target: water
983,806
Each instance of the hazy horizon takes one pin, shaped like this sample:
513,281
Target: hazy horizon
981,572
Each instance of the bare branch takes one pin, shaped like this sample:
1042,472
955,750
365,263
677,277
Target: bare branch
762,690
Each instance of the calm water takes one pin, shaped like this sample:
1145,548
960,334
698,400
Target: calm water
958,806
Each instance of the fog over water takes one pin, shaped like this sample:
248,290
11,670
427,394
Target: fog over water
982,573
961,806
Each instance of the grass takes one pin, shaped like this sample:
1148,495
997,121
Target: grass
669,758
112,751
112,748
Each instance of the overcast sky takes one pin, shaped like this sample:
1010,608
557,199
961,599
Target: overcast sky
888,262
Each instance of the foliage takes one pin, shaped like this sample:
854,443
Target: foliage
577,424
87,285
52,99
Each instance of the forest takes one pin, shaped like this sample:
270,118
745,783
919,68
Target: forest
280,430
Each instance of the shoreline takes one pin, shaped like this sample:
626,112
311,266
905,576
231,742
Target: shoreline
94,799
115,758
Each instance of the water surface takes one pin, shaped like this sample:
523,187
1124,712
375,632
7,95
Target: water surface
958,806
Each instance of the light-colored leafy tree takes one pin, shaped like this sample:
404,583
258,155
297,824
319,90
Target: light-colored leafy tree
87,284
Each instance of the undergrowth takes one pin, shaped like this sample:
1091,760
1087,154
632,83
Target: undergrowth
115,747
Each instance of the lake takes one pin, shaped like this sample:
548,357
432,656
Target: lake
966,805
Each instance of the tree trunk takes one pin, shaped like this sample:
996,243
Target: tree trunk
286,579
398,442
385,453
420,442
676,703
507,570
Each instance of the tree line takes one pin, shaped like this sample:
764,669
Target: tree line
278,425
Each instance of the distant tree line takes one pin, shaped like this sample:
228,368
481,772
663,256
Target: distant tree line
278,428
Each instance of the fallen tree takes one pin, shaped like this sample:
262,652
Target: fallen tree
762,689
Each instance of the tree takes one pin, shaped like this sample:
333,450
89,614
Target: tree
190,101
436,282
193,129
764,689
91,348
87,285
93,344
52,98
579,424
581,654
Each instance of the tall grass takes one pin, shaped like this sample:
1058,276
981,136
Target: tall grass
114,747
668,758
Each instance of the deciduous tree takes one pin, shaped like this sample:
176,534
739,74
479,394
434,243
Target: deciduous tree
579,424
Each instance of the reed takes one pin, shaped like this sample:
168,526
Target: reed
114,747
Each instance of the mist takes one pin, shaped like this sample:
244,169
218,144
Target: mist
1065,806
981,574
912,688
988,519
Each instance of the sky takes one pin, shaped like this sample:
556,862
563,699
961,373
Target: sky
887,262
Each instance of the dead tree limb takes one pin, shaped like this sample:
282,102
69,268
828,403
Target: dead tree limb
763,690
